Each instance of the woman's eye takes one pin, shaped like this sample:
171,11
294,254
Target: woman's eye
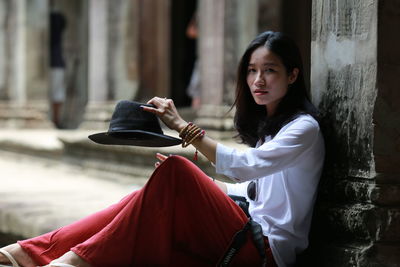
251,70
269,70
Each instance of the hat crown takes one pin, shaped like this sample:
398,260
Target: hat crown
128,115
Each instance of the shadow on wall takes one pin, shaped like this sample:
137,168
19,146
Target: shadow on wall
337,221
334,111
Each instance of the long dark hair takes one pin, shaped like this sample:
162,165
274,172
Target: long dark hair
251,120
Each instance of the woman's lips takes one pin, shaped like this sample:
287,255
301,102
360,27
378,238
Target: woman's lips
260,92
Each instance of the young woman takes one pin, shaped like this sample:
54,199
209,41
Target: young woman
183,218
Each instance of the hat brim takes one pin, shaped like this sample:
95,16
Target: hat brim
134,138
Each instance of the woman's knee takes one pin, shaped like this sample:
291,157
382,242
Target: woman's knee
179,167
179,162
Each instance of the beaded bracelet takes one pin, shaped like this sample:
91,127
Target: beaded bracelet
189,134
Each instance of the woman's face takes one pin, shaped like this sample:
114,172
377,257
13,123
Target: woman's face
268,79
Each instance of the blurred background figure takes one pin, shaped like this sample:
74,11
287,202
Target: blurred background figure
58,24
193,89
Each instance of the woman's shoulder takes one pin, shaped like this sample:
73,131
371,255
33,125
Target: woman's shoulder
305,122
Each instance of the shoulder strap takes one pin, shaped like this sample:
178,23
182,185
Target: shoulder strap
239,239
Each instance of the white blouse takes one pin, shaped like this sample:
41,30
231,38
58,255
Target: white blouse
286,169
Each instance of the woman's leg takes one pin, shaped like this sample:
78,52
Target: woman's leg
179,218
47,247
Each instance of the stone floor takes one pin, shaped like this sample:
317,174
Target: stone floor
40,191
38,195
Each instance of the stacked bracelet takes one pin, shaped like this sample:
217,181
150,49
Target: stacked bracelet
189,134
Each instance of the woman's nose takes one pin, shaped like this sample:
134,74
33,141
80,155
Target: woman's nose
259,79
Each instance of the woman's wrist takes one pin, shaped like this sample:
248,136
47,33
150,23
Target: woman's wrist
180,125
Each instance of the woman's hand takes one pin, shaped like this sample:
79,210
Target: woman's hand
161,158
165,109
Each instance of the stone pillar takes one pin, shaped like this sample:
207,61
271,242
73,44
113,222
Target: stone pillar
226,27
17,33
154,48
4,50
98,43
211,51
113,58
37,51
122,50
354,69
23,64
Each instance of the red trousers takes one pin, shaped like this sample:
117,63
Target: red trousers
179,218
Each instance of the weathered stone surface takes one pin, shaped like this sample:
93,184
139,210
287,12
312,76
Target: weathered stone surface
355,84
345,191
345,19
382,255
346,108
352,255
358,223
335,254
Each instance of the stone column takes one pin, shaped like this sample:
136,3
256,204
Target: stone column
226,27
123,49
154,48
17,33
4,50
354,65
23,67
211,50
37,51
98,43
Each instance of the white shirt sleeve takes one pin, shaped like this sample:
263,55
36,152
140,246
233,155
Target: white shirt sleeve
239,189
280,153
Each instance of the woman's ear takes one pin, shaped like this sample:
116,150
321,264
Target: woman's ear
293,75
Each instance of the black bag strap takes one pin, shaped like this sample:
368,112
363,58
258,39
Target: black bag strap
239,239
258,238
237,242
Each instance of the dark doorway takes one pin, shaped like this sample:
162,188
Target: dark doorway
183,50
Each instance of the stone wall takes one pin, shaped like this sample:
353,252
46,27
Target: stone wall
357,217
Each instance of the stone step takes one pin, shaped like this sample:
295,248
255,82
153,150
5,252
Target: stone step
28,115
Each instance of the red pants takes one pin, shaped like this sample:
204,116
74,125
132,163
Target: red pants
179,218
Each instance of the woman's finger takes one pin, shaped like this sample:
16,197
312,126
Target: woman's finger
161,156
149,109
160,106
156,101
